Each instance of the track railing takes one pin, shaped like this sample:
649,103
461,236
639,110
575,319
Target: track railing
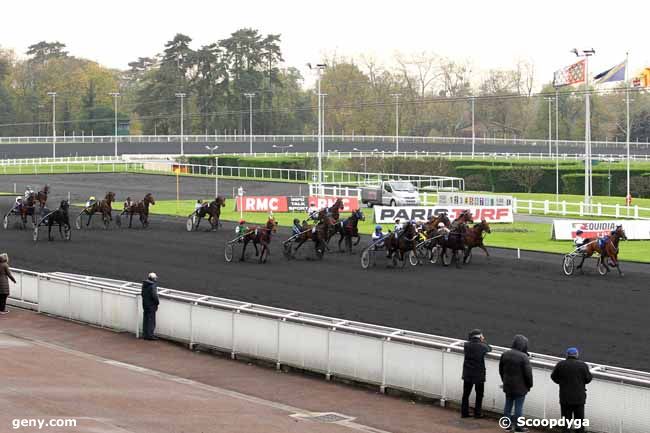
418,363
331,138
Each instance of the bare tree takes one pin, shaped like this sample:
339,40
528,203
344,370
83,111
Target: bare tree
421,68
527,176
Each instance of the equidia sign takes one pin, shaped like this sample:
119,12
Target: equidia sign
492,214
566,229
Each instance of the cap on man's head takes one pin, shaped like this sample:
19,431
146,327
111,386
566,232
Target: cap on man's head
474,333
572,352
152,276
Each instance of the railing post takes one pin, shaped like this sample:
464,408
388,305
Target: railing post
582,209
636,211
563,207
545,207
617,210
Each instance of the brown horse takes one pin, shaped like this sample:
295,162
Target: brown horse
318,236
607,249
330,216
213,211
431,226
142,209
27,209
398,244
41,196
260,235
104,207
474,238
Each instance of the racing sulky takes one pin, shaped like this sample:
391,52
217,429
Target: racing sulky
261,236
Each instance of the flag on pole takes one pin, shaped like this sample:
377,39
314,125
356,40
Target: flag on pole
571,74
617,73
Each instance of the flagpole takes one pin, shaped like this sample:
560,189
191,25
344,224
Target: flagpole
627,103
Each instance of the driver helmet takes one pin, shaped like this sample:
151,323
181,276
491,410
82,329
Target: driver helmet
29,188
441,225
412,221
199,201
242,222
396,220
128,199
92,198
378,227
296,221
579,232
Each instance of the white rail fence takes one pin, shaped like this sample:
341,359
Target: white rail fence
332,138
429,365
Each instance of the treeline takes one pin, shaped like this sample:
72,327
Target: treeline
362,95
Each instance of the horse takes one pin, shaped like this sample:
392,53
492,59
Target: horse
318,235
60,217
142,209
474,238
400,243
330,216
460,223
260,235
104,207
26,209
608,248
431,226
213,211
41,196
348,229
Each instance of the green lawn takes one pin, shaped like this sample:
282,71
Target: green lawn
527,236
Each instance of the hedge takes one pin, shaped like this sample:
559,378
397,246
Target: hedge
575,184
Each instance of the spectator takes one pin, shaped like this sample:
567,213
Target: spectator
150,303
517,376
5,276
474,371
572,375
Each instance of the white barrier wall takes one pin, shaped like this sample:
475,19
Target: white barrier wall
618,399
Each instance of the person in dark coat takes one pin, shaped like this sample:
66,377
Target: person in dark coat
150,303
474,372
517,377
572,375
5,276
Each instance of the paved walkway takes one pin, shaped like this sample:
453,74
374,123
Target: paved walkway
112,382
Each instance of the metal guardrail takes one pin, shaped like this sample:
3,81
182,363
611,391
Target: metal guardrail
388,357
336,138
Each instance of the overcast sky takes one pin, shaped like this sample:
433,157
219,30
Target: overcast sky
489,34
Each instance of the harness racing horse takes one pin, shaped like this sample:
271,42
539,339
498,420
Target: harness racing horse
348,229
607,248
104,207
41,196
60,217
330,216
142,209
455,241
26,209
397,244
474,238
318,234
213,211
260,235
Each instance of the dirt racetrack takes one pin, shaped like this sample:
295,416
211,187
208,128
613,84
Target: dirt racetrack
607,317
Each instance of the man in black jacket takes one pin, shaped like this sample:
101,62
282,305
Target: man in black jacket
517,377
150,303
474,371
572,375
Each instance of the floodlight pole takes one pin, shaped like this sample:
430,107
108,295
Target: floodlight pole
53,95
115,95
396,96
181,96
250,97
